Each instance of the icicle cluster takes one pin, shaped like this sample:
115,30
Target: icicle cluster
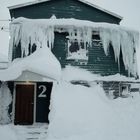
41,33
81,34
28,34
121,41
5,100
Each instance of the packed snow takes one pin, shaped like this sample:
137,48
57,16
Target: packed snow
41,33
42,62
79,113
84,113
5,101
72,73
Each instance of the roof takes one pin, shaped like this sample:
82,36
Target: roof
84,1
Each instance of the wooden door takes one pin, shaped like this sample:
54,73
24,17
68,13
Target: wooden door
24,105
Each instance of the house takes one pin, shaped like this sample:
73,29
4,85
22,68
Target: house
78,33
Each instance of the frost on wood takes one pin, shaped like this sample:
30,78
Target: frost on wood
42,33
5,100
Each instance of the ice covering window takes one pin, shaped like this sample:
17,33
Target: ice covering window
77,50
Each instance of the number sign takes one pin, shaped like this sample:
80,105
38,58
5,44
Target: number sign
42,89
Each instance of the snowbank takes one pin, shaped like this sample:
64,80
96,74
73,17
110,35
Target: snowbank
71,73
41,33
81,113
7,133
5,101
42,62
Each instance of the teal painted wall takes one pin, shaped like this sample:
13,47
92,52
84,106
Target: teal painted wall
64,9
98,62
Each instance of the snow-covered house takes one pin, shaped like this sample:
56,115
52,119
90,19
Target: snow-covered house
79,34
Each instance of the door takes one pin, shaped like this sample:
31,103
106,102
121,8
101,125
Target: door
24,104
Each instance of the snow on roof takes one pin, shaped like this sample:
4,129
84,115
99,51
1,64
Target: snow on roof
42,62
84,1
41,33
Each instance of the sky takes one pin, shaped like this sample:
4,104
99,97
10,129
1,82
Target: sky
128,9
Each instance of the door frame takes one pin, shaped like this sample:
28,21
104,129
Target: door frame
14,100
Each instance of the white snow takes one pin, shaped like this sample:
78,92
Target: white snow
81,113
7,133
5,100
3,61
12,132
72,73
41,33
42,62
79,55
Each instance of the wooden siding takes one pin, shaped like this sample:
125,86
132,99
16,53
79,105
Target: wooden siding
42,103
97,63
64,9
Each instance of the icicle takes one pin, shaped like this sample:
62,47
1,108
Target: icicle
105,38
41,33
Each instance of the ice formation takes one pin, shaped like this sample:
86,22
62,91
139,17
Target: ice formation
42,33
5,100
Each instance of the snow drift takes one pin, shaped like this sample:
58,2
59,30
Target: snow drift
82,113
42,62
72,73
41,33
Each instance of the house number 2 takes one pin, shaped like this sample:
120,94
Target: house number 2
43,89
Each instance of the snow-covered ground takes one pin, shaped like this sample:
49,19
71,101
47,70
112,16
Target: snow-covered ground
85,113
82,113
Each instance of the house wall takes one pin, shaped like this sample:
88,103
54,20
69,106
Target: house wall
64,9
42,95
98,62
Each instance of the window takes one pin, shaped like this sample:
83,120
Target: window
77,50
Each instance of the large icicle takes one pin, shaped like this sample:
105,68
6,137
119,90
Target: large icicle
28,34
123,41
41,33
